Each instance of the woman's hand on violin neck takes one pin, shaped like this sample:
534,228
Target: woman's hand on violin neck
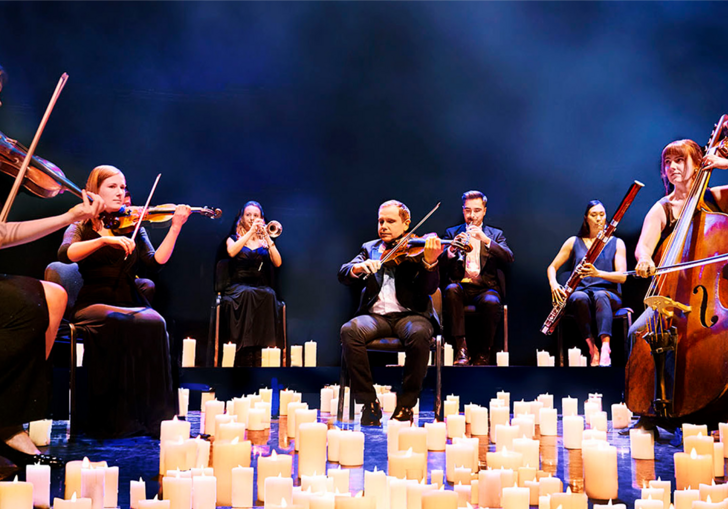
712,161
124,243
366,267
433,249
181,213
87,209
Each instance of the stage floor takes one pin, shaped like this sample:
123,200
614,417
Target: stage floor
138,457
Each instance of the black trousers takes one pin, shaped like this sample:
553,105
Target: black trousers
596,303
488,305
414,330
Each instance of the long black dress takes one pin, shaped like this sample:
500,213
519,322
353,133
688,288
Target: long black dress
127,348
249,310
25,376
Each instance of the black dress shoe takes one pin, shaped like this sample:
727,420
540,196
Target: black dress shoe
645,423
22,459
371,414
462,352
403,414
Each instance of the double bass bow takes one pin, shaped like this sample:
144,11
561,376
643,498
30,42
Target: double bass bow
591,255
677,366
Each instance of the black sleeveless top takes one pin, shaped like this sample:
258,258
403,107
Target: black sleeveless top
709,200
604,262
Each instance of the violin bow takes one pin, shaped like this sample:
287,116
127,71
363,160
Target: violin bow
404,239
26,162
144,210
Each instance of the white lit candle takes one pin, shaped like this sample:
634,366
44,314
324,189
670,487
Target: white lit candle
312,449
40,432
501,359
178,490
692,469
111,487
204,492
436,435
188,353
573,430
621,416
92,484
684,498
641,444
278,491
273,466
407,465
183,398
515,498
137,492
458,455
242,492
351,449
75,503
478,420
455,425
16,495
340,479
309,354
296,356
40,477
226,456
414,438
449,355
548,419
327,394
600,471
228,355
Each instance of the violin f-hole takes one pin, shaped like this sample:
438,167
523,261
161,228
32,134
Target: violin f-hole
704,307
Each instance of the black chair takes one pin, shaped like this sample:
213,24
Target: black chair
393,344
471,328
68,276
222,281
624,314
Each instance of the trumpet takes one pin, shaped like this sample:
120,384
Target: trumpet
274,229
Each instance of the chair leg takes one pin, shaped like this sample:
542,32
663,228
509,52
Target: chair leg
72,381
285,339
343,381
439,353
627,342
352,401
217,328
560,345
505,327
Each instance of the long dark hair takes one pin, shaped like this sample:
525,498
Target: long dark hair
584,230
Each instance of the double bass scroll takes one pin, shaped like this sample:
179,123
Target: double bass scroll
590,257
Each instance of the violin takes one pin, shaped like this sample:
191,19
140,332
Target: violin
126,219
42,178
414,249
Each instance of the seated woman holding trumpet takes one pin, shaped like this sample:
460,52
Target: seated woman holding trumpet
249,310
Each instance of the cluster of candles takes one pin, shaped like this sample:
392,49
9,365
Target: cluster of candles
301,355
200,474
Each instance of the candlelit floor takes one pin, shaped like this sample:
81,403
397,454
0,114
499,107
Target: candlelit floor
138,457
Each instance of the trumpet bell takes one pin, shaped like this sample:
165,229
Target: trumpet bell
274,229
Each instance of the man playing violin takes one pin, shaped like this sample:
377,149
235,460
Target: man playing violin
394,302
475,278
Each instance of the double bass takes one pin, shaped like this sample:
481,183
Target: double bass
678,366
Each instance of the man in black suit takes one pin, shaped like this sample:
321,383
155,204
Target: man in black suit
394,302
475,278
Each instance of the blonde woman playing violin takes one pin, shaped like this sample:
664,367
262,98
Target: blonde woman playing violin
127,351
250,311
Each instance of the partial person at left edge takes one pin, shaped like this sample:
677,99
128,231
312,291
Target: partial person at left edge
30,313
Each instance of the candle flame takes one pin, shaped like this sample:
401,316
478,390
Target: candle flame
283,503
86,463
568,491
713,482
73,497
140,479
273,454
359,495
176,473
156,497
16,479
610,502
235,440
693,454
708,500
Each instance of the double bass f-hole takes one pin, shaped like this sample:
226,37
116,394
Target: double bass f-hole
704,307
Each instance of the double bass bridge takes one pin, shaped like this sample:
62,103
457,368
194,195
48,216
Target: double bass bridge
665,306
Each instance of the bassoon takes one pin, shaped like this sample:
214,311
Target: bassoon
590,257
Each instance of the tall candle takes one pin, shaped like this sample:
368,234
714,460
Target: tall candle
573,430
455,425
111,487
478,421
188,353
292,407
303,415
272,466
92,485
242,487
40,432
460,454
498,415
296,356
530,450
183,399
436,436
569,406
137,492
327,394
526,424
40,477
228,355
309,354
178,490
548,419
225,457
204,492
393,428
340,478
600,471
692,469
501,359
351,449
312,450
274,360
212,410
448,355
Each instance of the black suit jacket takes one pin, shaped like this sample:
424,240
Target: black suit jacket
493,260
412,281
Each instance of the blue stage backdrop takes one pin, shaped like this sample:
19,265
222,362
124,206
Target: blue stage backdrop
321,111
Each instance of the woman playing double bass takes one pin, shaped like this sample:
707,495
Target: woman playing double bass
680,163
